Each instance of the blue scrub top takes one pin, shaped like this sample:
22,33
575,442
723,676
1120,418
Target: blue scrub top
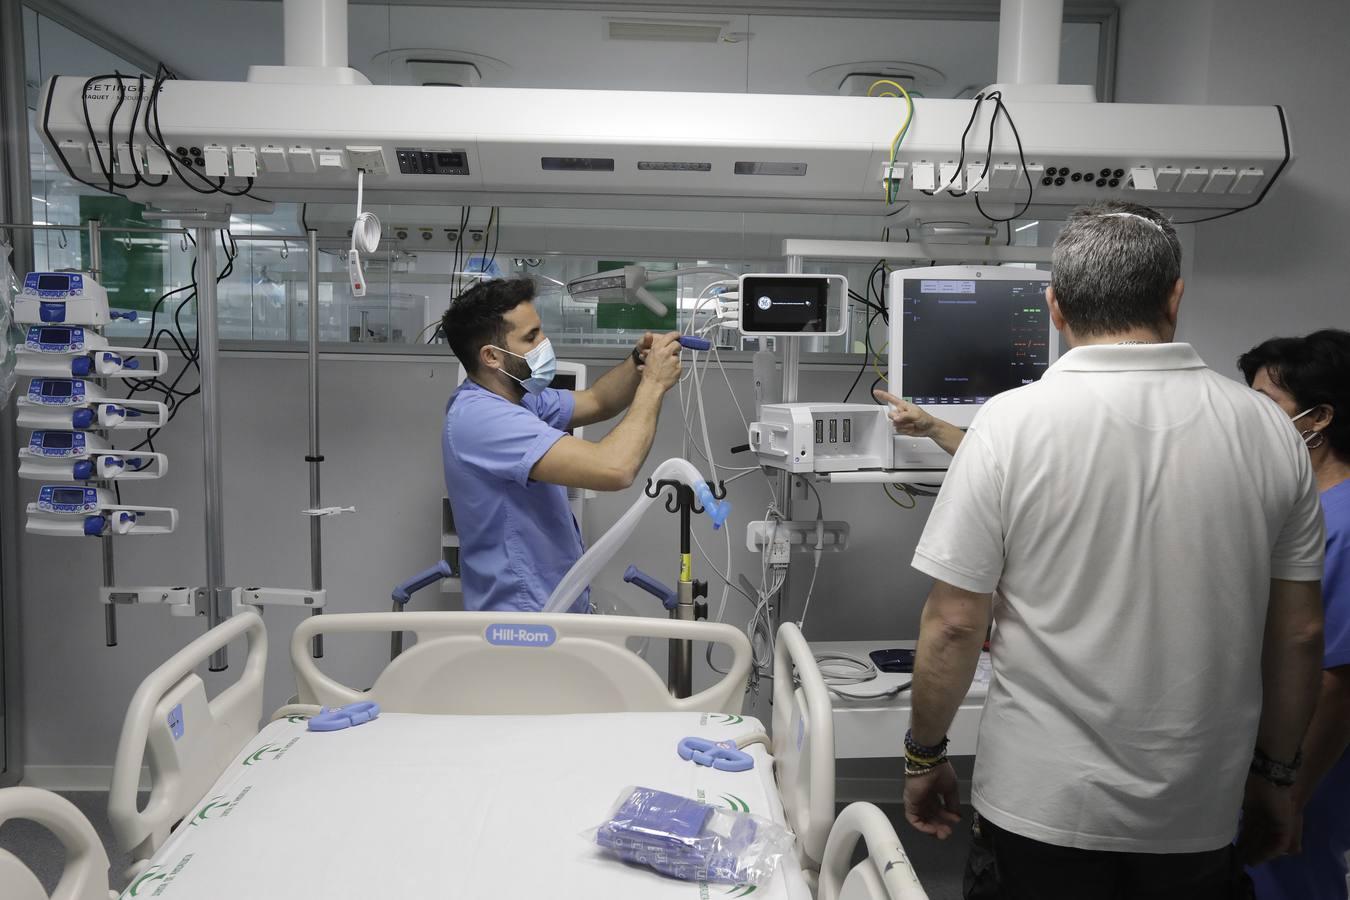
517,537
1319,872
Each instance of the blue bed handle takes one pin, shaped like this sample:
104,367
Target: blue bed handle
633,575
403,593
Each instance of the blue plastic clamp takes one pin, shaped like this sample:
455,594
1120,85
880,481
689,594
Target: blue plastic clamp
717,510
724,755
344,716
689,342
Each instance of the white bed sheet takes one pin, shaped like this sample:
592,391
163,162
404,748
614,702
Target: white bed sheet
482,807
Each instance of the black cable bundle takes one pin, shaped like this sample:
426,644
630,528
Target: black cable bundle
150,122
172,396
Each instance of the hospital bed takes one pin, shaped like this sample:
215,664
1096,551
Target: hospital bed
85,876
485,789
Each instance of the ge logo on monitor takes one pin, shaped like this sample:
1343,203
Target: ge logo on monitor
765,302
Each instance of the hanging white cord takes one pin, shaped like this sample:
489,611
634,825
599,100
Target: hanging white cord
365,239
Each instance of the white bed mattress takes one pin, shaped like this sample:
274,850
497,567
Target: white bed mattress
481,807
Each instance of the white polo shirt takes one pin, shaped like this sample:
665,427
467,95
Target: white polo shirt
1129,511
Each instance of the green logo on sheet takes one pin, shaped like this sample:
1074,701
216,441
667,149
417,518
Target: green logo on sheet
154,881
736,804
734,890
270,751
266,751
149,876
214,808
297,720
722,719
218,807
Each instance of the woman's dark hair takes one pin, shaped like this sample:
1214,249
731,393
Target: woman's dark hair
1315,370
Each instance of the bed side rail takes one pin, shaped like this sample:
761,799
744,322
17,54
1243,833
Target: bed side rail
885,874
85,875
186,739
803,743
535,664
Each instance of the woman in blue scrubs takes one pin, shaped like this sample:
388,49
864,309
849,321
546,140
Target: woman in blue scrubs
1309,377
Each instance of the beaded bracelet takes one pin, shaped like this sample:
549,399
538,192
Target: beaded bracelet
914,769
915,750
920,760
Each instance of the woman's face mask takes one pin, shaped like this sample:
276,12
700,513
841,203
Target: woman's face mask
543,366
1312,438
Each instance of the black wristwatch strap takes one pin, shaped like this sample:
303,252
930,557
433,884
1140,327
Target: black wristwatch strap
637,357
1277,773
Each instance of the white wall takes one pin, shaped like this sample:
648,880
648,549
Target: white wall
1278,269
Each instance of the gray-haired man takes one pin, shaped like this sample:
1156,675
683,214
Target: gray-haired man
1145,535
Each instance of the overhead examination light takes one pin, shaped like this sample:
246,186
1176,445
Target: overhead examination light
633,281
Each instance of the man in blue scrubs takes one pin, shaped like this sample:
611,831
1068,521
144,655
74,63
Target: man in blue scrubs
509,459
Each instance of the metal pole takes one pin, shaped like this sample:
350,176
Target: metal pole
315,459
792,358
95,266
680,666
315,33
208,352
1028,41
15,203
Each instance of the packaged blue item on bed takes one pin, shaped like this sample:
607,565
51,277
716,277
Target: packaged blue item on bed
690,840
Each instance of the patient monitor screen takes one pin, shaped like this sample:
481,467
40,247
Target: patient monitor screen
784,305
966,340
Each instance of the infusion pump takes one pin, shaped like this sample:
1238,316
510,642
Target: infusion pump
807,438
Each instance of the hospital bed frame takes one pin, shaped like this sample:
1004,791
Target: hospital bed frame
886,872
187,740
85,876
584,667
549,664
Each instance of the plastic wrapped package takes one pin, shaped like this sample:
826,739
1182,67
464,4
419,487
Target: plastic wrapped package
691,840
10,337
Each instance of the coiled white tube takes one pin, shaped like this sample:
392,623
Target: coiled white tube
585,569
365,239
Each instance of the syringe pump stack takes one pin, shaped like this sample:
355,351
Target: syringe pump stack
72,418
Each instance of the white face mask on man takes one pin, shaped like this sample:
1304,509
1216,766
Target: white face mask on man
543,366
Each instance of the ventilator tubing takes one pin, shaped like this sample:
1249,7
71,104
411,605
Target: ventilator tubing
585,569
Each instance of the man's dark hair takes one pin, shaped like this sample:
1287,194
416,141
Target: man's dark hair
1114,267
1315,370
478,317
